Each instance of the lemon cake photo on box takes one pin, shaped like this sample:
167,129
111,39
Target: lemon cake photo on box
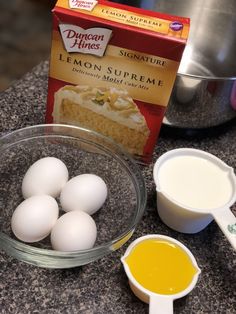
109,111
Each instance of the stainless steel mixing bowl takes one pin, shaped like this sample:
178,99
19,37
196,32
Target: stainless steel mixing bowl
204,93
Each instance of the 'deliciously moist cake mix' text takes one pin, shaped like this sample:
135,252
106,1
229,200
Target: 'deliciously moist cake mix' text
112,70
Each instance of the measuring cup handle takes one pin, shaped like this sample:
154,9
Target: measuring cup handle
160,305
227,223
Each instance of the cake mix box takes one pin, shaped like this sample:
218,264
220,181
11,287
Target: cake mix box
112,70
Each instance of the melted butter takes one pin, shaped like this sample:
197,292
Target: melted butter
161,266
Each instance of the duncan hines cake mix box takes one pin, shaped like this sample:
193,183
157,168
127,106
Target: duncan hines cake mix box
112,70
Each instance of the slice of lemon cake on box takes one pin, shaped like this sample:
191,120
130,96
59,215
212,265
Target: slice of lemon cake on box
110,111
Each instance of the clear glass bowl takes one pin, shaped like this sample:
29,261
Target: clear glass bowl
83,151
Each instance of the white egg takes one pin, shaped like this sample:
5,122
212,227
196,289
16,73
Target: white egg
46,176
74,231
34,218
86,192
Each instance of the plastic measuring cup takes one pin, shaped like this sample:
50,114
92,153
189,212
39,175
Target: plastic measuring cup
159,303
193,188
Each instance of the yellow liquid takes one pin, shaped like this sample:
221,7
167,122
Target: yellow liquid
161,266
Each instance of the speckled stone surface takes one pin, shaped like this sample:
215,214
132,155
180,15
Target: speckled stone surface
102,287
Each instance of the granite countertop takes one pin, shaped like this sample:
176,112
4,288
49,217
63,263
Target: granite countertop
102,286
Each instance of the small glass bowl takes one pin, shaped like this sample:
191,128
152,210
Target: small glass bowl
83,151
